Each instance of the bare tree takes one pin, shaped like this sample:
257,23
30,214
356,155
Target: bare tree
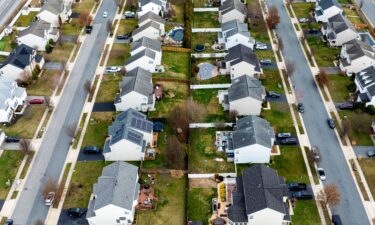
360,4
280,44
59,191
197,111
330,195
175,154
346,127
26,146
39,222
60,41
179,121
233,115
49,186
172,12
48,102
109,27
290,68
252,10
88,87
83,18
273,18
71,130
322,78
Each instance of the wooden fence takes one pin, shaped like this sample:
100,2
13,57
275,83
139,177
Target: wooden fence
175,49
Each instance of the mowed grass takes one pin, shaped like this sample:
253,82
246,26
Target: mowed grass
208,98
97,129
171,206
179,11
25,20
84,6
361,126
119,53
279,117
109,87
199,204
206,20
306,213
72,28
338,87
368,168
302,9
126,26
176,65
60,53
323,55
272,81
205,39
9,164
27,123
45,84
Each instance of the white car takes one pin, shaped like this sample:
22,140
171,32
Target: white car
49,199
260,46
303,20
105,14
321,174
129,14
113,69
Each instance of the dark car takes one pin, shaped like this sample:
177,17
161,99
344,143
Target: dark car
371,154
266,62
336,220
302,195
76,212
89,29
300,108
313,31
297,186
331,123
91,150
123,37
289,141
273,94
346,105
12,139
8,222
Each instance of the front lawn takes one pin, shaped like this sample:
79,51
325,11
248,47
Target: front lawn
85,6
279,117
206,20
208,97
272,81
97,128
127,26
109,87
361,126
25,20
171,205
7,42
257,26
60,53
176,65
324,55
303,9
9,163
72,28
199,204
203,155
368,168
45,84
119,53
338,87
206,39
306,213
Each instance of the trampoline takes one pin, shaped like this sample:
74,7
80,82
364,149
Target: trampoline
177,34
200,48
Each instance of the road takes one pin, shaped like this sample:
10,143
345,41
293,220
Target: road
350,209
55,145
7,7
368,8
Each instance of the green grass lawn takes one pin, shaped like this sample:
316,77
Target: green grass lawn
338,87
368,168
60,53
279,117
205,20
171,205
126,26
9,163
200,3
199,204
303,9
208,97
25,21
119,53
27,123
176,65
80,188
205,39
45,84
84,6
361,126
179,9
306,213
6,42
258,27
202,153
265,54
324,55
272,81
352,16
97,129
71,28
109,87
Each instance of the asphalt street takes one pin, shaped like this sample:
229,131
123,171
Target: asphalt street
368,9
7,7
350,209
55,145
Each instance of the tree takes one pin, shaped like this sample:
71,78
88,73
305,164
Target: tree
346,127
60,41
88,87
290,68
83,18
280,44
273,18
233,115
360,4
110,27
175,154
71,130
39,222
322,78
48,102
330,195
179,121
26,146
252,10
49,186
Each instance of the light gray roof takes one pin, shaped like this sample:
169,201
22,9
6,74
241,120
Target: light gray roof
230,5
233,24
138,80
147,43
145,26
118,185
144,2
356,49
37,28
251,130
245,86
53,6
240,53
145,52
8,88
152,16
339,23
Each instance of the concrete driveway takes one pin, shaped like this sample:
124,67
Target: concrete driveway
361,151
53,66
90,157
282,98
11,146
351,208
55,145
65,219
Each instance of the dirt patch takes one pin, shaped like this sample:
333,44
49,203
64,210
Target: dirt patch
202,183
177,173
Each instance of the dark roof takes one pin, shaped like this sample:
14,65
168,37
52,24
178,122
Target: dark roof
241,53
366,77
147,43
37,28
325,4
138,80
230,5
145,26
237,211
20,57
145,52
356,49
245,86
339,23
54,6
152,16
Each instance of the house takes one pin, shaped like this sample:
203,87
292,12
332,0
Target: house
365,82
147,43
55,10
11,97
128,137
146,59
159,7
338,30
252,139
239,61
260,198
356,56
325,9
232,10
235,32
245,96
152,17
150,30
21,62
136,91
38,35
114,196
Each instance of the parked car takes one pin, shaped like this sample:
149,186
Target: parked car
297,186
76,212
303,20
129,14
315,152
260,46
321,174
331,123
105,14
266,62
303,195
284,135
289,141
49,199
113,69
273,94
336,220
12,139
371,153
91,150
36,101
8,222
346,105
300,108
313,31
89,29
123,37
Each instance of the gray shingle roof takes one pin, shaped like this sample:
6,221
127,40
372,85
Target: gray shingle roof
240,53
325,4
356,49
37,28
245,86
152,16
54,6
237,211
138,80
230,5
233,24
147,43
339,23
118,185
20,57
145,52
251,130
145,26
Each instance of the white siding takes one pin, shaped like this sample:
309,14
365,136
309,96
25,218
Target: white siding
132,100
242,68
252,154
49,17
239,39
109,214
33,41
150,32
266,217
145,63
125,150
246,106
12,72
232,15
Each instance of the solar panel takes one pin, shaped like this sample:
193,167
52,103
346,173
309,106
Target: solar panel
134,137
118,135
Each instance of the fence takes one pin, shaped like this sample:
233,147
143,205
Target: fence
210,86
209,125
206,9
4,53
209,175
175,49
205,30
209,55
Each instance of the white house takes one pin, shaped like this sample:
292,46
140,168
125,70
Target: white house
235,32
38,35
338,30
159,7
128,137
232,10
245,96
146,59
11,97
55,10
21,62
356,56
252,139
152,17
147,43
325,9
239,61
260,198
114,196
365,82
136,91
150,30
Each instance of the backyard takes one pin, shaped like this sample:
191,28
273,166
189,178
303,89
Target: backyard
206,39
208,97
199,204
279,117
176,65
97,128
206,20
45,84
119,53
109,87
9,163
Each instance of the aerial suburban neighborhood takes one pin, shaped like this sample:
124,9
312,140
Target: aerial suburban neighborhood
187,112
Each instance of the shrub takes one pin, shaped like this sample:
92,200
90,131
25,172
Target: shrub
371,109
